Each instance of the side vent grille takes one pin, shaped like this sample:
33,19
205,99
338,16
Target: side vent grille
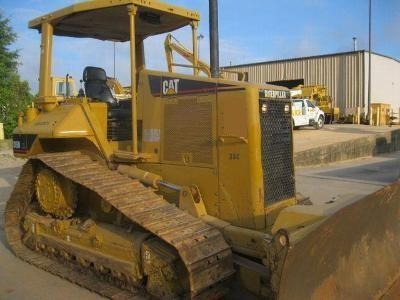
188,131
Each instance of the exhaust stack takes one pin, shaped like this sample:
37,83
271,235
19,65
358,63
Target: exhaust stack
354,44
214,47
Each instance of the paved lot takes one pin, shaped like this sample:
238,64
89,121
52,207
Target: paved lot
307,137
349,181
333,186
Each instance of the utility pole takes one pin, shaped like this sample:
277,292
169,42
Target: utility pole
369,66
114,58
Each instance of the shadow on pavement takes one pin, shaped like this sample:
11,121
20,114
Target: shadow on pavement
386,172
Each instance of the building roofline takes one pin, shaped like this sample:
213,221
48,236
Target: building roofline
384,55
308,57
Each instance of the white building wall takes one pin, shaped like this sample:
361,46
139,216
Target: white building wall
385,78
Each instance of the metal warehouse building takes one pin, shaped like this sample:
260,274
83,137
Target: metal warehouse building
344,74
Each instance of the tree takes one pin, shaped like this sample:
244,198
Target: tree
14,92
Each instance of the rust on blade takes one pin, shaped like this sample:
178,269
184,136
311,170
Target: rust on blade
354,254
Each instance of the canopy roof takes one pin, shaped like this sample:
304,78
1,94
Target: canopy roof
109,19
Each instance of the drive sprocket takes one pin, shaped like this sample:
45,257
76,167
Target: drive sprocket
56,195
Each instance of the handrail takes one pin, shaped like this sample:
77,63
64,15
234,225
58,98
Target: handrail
225,138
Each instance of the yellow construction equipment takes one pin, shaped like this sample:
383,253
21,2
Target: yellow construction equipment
319,95
171,44
63,87
117,89
380,114
184,190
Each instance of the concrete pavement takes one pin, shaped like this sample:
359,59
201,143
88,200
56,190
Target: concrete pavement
345,182
306,138
340,142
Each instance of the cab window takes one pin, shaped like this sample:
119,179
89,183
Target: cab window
298,104
61,89
309,104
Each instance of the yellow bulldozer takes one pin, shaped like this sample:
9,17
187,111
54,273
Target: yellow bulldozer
184,189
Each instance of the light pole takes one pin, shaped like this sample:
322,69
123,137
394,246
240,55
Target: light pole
114,58
369,65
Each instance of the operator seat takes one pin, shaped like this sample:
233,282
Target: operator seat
119,113
96,86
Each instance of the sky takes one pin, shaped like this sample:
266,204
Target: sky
249,31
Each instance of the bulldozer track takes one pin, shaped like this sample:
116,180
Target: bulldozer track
203,250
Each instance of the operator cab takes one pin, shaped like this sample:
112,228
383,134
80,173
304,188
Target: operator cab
121,21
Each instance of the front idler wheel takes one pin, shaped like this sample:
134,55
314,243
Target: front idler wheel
56,195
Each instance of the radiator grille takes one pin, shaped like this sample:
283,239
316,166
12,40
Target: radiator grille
188,131
119,130
277,150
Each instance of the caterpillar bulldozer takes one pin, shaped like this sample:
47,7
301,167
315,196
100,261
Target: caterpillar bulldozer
186,189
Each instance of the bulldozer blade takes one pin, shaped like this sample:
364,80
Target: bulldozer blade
354,254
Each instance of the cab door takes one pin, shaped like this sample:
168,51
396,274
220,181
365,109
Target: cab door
311,110
299,113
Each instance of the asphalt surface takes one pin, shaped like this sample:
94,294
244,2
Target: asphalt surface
333,186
